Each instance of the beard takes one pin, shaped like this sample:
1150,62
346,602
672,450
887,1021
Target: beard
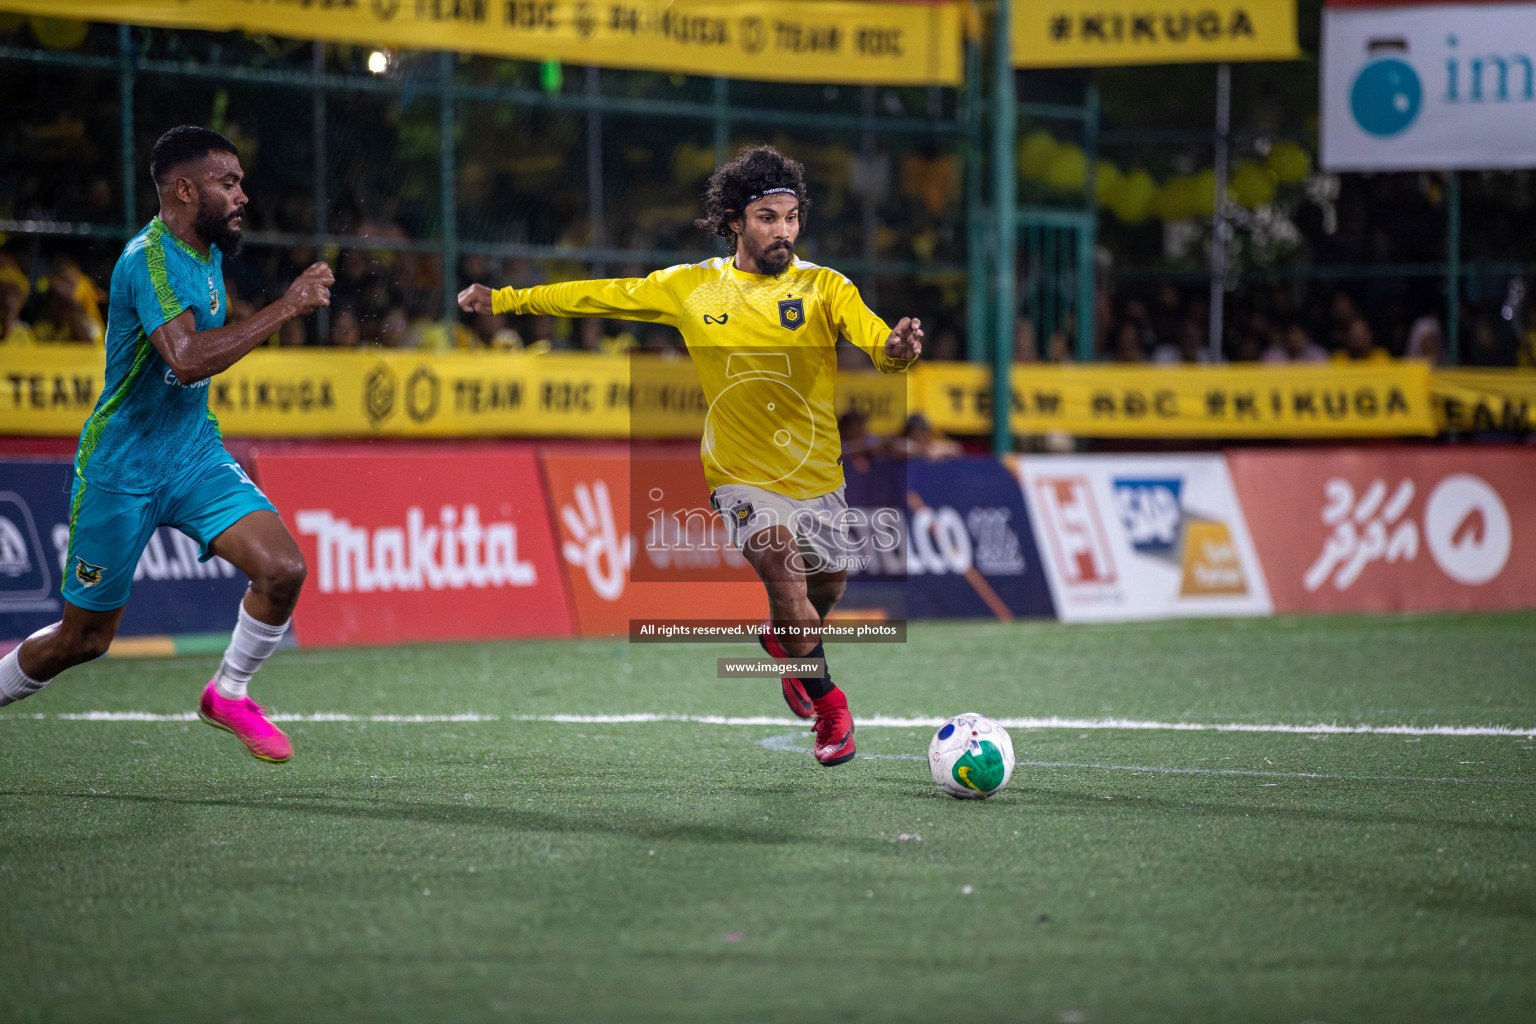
215,227
773,260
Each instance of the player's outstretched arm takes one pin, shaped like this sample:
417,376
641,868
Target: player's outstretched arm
892,351
195,355
652,298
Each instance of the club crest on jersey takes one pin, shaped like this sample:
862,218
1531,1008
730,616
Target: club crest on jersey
742,512
791,313
213,298
89,575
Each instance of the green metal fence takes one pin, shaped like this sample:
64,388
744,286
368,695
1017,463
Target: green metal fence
555,171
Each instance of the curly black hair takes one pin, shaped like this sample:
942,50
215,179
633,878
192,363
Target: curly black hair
755,170
182,145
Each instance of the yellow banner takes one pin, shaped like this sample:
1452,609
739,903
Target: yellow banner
1379,400
1469,401
1085,33
49,390
783,41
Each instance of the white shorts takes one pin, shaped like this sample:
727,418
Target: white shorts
819,525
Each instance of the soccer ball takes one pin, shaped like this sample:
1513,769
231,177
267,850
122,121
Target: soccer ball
971,757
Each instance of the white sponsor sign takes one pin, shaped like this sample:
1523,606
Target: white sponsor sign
1142,537
456,553
1429,87
594,542
1466,528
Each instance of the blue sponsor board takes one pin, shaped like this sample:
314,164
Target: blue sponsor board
172,591
1149,510
964,547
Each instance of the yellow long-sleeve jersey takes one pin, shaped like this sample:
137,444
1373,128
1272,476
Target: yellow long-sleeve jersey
764,347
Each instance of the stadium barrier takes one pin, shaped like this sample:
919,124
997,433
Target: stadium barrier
622,564
499,540
966,547
1393,529
444,542
1142,536
173,593
49,390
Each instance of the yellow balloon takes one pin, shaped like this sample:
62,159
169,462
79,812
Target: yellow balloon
1175,200
1289,163
1035,152
57,33
1203,193
1068,170
1137,193
1252,185
1107,183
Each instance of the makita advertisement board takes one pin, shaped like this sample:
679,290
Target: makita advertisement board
173,593
441,543
1423,87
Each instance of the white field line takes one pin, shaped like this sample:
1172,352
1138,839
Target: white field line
191,716
1138,769
793,743
872,722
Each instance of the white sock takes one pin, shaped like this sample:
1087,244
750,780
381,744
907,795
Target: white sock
15,684
251,644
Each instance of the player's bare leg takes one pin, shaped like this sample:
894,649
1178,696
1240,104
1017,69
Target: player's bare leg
824,590
776,558
80,637
261,547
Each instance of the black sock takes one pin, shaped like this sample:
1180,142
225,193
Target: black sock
817,687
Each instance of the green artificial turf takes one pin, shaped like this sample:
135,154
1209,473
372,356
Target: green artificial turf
677,871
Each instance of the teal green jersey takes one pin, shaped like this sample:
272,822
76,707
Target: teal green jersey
147,425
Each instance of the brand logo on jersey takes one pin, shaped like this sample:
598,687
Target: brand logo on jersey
791,313
722,318
173,381
89,575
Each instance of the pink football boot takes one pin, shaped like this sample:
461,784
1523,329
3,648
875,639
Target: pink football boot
245,718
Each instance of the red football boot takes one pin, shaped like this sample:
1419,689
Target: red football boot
794,691
833,729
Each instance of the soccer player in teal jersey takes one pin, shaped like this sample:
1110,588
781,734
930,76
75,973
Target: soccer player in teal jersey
151,454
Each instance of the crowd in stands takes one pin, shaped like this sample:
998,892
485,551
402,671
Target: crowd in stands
394,299
1168,324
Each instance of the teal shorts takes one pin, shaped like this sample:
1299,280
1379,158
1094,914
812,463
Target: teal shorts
108,529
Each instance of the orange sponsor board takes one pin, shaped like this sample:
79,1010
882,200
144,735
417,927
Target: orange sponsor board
1393,529
665,556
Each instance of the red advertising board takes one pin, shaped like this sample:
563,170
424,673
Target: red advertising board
440,543
1393,529
621,566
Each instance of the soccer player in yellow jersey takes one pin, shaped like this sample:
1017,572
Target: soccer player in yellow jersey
761,327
